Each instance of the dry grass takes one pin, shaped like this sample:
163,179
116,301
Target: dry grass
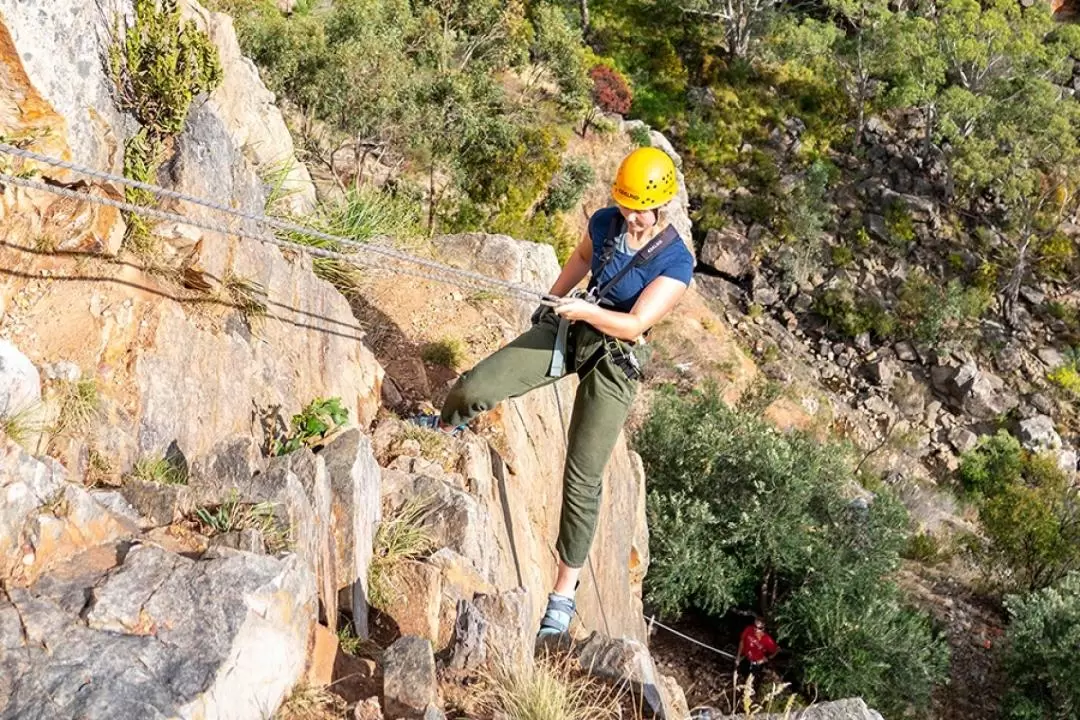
23,424
554,688
79,403
312,703
400,537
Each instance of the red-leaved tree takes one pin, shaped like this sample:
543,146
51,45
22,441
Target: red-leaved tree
610,93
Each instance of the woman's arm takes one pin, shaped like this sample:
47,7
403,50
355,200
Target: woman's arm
575,269
655,302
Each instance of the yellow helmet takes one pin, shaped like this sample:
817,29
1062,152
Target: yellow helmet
646,180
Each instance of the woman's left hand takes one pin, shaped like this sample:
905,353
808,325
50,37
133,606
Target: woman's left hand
576,309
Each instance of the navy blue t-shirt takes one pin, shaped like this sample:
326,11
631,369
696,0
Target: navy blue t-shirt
674,262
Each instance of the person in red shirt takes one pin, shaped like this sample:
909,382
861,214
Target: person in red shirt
755,646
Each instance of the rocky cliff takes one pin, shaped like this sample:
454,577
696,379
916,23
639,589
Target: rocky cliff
156,561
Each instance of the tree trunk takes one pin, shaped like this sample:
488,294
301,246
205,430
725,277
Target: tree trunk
431,200
1016,279
584,20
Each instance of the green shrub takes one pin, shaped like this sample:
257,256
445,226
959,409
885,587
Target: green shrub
159,63
1033,528
448,352
568,186
996,463
940,316
1042,665
639,135
1066,377
851,315
899,225
742,514
1056,255
859,639
925,548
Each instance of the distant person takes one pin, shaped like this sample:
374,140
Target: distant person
639,268
756,647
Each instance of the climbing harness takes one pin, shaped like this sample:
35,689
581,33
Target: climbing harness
621,352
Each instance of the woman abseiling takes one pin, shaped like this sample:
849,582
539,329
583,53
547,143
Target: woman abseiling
639,268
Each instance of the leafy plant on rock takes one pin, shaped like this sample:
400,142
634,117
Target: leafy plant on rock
159,64
320,418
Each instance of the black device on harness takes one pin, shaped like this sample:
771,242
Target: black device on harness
624,358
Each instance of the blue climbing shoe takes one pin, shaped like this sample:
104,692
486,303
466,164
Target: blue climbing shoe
432,421
556,621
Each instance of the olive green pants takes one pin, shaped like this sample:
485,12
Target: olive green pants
602,402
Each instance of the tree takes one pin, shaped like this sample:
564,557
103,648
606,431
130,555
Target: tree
741,514
859,638
1041,663
556,50
742,21
1033,528
610,93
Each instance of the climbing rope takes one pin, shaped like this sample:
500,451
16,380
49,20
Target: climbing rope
462,277
654,622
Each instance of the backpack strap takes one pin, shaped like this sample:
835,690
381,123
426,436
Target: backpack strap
608,248
654,247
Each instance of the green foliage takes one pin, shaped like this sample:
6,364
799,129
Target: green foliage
1033,529
1056,256
1041,664
360,215
448,353
852,314
940,315
159,64
640,136
740,511
557,49
858,638
1067,375
993,465
1028,511
925,548
162,470
320,418
568,186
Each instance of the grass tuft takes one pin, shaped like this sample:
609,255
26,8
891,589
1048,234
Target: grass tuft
400,537
311,703
554,688
22,425
79,402
234,516
159,470
448,352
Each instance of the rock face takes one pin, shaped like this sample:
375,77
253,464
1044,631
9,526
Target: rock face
163,636
253,121
226,635
147,352
20,384
409,685
500,256
44,520
727,251
852,709
629,661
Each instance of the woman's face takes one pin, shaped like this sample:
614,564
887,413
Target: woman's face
638,220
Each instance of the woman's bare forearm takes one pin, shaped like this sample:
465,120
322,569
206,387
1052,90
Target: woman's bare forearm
574,271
